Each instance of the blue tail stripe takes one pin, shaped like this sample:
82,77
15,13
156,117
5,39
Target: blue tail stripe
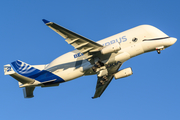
31,72
24,68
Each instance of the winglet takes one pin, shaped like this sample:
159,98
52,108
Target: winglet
45,21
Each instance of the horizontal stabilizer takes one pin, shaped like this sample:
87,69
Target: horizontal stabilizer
22,79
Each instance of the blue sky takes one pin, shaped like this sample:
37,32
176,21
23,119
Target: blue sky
151,93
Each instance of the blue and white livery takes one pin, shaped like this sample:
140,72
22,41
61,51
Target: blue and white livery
103,58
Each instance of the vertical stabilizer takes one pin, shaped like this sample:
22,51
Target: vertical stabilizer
25,69
28,91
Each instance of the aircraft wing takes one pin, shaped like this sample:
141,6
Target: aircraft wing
100,88
84,45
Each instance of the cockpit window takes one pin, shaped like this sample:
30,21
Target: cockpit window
134,39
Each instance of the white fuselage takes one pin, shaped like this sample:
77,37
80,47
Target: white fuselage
133,42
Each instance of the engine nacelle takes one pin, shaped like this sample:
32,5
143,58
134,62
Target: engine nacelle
111,48
123,73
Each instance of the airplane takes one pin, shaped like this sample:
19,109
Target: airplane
103,58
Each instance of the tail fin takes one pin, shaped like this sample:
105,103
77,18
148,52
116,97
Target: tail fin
18,65
8,70
25,69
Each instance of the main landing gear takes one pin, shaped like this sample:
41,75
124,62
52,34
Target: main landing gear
98,64
102,71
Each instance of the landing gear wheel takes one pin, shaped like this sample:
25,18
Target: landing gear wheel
158,51
105,78
98,64
102,82
94,68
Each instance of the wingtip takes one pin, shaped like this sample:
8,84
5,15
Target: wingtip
45,21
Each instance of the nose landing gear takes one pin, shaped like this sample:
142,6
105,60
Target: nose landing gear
158,49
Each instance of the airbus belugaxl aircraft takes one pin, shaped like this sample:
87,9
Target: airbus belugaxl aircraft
103,58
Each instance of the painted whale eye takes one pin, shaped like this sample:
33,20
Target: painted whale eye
134,39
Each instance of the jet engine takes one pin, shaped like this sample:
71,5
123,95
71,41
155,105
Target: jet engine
123,73
111,48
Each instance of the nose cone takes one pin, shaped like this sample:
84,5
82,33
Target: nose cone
173,40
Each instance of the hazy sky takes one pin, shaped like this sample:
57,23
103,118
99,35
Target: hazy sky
151,93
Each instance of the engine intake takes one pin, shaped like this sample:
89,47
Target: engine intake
111,48
123,73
